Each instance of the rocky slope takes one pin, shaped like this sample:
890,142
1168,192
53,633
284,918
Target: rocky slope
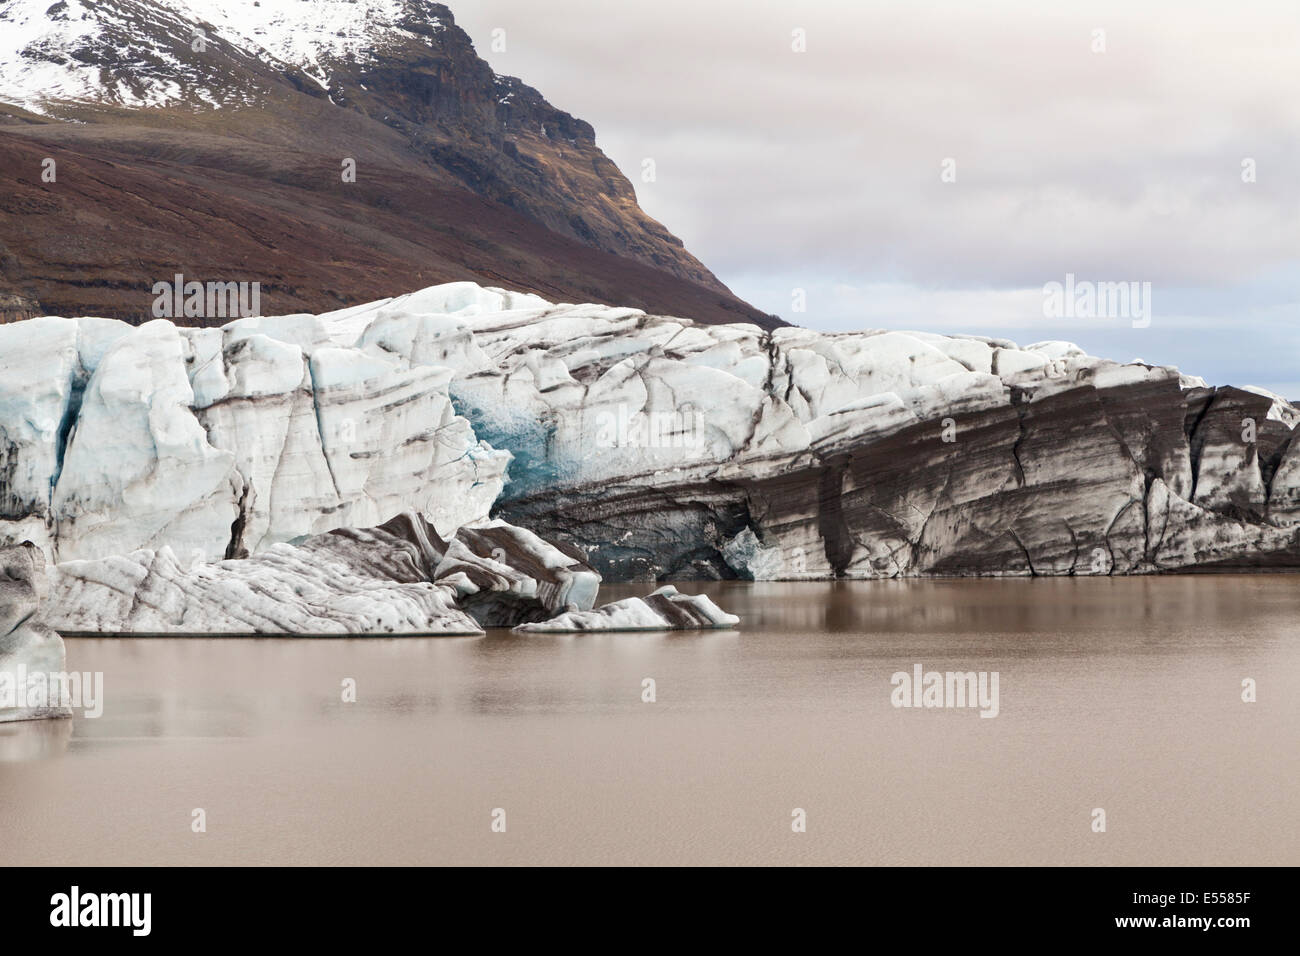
208,139
655,446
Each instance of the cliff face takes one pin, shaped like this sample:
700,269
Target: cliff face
149,137
658,447
15,308
501,138
667,450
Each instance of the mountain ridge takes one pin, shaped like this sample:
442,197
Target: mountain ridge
235,103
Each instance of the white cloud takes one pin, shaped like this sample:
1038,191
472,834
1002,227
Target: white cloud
824,166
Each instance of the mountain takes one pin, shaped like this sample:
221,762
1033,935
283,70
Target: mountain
657,447
211,139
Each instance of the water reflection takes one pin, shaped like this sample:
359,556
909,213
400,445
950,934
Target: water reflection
1118,690
237,688
22,740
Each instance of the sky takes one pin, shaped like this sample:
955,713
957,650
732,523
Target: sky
935,166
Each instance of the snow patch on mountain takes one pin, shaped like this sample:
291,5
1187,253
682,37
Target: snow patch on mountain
151,53
310,34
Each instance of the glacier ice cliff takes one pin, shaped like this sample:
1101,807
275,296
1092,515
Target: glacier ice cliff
31,654
665,449
221,442
656,447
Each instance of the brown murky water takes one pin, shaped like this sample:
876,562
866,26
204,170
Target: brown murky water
1119,694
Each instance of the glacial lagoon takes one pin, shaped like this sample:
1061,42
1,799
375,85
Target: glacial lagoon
1119,694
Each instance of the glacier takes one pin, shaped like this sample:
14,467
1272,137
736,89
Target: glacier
399,578
223,442
32,656
658,448
664,609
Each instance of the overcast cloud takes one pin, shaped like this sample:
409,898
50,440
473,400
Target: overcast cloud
821,170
